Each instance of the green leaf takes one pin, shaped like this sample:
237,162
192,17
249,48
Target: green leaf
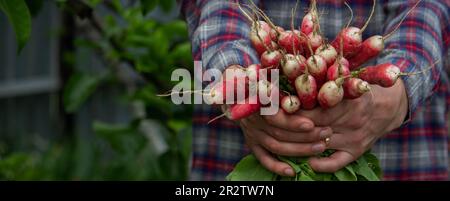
20,18
182,53
148,5
374,164
78,89
323,176
176,29
292,164
362,168
307,169
177,125
346,174
304,177
249,169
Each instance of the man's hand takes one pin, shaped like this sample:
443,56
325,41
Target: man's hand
358,123
282,134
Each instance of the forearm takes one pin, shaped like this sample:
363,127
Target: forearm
416,46
219,34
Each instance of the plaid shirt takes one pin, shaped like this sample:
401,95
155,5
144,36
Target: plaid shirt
416,151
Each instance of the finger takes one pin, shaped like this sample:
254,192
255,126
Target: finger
337,141
350,142
271,163
294,123
333,163
324,117
317,134
291,149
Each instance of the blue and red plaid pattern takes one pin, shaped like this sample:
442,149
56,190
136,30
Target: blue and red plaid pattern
416,151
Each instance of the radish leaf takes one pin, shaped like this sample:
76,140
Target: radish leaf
346,174
249,169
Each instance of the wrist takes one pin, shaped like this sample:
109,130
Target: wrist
401,106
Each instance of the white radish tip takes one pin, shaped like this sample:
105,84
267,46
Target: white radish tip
290,104
363,87
354,33
393,72
376,42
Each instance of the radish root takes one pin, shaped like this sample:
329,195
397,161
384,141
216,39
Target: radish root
351,15
216,118
370,17
401,21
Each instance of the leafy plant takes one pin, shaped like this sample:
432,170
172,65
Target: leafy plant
139,53
366,168
20,18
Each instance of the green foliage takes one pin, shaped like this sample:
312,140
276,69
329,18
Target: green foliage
148,5
20,18
249,169
156,143
79,87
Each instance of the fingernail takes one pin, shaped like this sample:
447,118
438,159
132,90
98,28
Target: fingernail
306,126
289,171
324,133
319,147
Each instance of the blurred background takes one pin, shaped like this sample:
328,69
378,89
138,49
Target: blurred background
77,99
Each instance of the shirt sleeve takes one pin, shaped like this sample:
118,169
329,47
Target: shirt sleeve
419,42
219,33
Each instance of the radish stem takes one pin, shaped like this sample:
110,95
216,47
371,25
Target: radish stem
401,21
370,16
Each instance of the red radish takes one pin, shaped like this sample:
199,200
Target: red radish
343,61
274,34
290,41
306,88
290,104
370,48
252,72
308,20
264,91
271,59
317,67
259,37
240,111
331,93
293,66
260,40
315,40
273,30
337,70
307,24
352,41
328,52
264,26
355,88
274,46
374,45
352,36
224,90
384,75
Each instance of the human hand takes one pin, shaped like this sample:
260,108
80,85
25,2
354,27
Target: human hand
358,123
282,134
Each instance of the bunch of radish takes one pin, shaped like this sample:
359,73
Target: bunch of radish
317,73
